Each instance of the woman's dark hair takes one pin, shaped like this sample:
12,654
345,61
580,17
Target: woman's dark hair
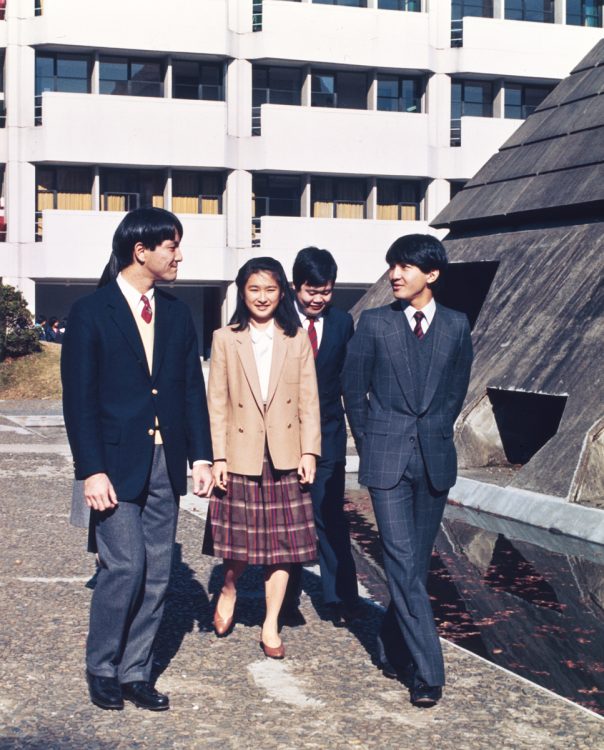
150,226
421,250
314,267
286,316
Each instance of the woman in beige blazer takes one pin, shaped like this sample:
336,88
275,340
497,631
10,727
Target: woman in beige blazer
266,435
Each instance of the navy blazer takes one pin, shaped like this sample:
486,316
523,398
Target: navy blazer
111,400
385,413
338,328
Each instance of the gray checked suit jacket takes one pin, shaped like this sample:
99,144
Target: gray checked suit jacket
386,414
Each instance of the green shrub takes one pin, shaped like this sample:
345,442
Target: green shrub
17,334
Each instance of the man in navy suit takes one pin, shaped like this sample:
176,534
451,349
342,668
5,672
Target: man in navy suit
329,329
405,380
135,412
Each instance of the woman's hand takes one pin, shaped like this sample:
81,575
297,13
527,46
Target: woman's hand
219,472
307,468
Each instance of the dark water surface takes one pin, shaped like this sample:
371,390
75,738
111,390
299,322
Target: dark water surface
526,599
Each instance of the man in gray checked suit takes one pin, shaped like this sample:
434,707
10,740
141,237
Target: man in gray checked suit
404,381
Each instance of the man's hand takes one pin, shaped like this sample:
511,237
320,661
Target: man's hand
203,481
99,492
307,468
219,472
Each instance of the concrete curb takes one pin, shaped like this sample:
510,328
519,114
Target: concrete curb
555,514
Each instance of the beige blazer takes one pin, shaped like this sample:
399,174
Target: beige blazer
240,425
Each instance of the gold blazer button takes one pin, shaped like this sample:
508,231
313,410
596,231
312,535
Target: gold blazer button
150,432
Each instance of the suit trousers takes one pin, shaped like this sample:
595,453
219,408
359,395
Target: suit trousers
408,518
135,544
338,571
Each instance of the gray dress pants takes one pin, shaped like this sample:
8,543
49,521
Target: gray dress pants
135,543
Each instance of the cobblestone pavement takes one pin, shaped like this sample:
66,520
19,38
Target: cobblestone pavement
224,693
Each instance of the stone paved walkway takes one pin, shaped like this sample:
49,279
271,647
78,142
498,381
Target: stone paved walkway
224,693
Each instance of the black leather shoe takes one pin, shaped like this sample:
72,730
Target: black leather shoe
291,617
425,696
144,695
402,674
343,614
105,692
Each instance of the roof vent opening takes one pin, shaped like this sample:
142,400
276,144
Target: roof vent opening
465,287
505,428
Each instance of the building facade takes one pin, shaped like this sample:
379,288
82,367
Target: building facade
266,126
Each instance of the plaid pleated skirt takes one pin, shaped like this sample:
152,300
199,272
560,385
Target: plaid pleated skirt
263,520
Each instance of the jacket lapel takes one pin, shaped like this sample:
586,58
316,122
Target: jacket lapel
399,354
245,352
440,351
278,359
163,315
326,339
122,317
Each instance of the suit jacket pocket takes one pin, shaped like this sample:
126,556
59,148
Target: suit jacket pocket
376,426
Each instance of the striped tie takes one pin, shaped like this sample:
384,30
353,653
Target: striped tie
312,335
418,330
146,312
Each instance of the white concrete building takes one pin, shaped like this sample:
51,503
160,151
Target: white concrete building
266,126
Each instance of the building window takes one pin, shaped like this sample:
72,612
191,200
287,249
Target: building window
338,198
471,99
276,85
276,195
413,6
342,89
455,186
477,8
126,189
399,93
541,11
62,72
521,101
350,3
398,200
196,80
123,76
197,192
584,13
2,210
63,188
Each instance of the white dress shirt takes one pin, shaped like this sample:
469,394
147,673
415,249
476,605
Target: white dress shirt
429,310
318,324
262,344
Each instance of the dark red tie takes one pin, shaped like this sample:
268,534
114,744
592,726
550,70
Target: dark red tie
312,335
146,312
418,330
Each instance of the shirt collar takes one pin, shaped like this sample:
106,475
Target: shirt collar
303,316
132,295
429,311
258,334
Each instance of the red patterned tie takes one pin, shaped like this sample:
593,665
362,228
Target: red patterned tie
146,312
418,330
312,335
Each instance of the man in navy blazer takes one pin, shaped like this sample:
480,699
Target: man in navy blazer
314,275
135,411
405,380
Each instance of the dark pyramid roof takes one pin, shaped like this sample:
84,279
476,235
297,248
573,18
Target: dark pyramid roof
526,251
552,166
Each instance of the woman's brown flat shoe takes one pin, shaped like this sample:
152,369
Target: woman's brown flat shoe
223,627
273,653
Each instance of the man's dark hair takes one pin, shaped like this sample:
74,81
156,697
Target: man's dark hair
314,267
421,250
149,226
286,316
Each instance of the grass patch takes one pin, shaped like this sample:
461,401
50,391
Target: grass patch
35,376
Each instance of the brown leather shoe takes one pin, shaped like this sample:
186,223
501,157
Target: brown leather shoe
222,627
273,653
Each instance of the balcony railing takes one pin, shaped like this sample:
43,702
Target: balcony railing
38,109
38,226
